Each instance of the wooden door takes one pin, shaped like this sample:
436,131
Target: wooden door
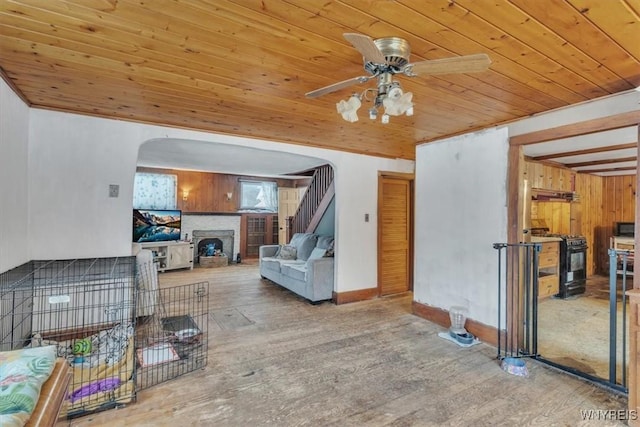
288,201
257,230
394,235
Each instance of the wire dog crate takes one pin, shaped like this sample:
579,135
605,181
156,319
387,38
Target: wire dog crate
171,338
108,318
86,307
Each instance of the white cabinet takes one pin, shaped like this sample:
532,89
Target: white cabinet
180,256
171,255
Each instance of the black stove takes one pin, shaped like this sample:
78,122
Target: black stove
573,264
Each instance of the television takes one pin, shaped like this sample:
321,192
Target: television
156,225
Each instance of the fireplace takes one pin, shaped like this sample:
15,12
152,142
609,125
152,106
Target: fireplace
222,239
203,243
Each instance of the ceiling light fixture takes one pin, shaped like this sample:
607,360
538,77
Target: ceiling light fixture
388,94
383,58
349,108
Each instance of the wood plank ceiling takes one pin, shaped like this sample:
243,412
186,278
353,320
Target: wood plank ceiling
243,67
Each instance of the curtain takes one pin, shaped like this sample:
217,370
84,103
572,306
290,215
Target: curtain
259,196
154,191
268,196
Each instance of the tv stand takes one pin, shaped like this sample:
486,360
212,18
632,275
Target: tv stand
171,255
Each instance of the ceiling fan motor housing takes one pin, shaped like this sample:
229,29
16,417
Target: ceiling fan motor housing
395,50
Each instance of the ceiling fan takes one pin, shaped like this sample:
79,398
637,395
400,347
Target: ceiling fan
384,58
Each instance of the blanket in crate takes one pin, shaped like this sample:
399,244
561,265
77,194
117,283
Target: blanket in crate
104,374
22,373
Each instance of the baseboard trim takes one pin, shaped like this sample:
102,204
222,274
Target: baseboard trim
485,333
354,296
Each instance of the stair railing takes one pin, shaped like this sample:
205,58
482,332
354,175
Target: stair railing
321,184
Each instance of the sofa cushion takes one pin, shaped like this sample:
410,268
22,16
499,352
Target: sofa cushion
325,242
304,243
287,252
296,238
295,270
316,253
270,263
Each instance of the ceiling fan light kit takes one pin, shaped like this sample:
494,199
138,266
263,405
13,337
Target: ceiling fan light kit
397,105
348,109
384,58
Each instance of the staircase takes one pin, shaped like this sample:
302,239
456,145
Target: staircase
314,203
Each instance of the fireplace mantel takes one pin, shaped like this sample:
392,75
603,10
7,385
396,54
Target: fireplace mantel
207,222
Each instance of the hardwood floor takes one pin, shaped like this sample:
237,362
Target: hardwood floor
574,332
277,360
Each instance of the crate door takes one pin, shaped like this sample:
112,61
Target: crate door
171,339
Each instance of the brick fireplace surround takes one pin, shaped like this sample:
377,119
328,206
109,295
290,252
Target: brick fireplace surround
224,227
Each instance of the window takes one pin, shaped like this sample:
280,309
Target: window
154,191
259,196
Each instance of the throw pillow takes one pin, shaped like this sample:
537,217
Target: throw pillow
317,253
287,252
325,242
329,252
304,242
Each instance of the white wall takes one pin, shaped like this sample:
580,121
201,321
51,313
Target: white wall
356,240
460,212
72,161
461,207
597,108
74,158
14,189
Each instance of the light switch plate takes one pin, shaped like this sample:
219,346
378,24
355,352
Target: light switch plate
114,189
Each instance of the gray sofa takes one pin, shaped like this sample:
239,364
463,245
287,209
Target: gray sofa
304,266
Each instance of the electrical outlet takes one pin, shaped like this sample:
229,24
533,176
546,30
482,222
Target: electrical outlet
366,217
114,189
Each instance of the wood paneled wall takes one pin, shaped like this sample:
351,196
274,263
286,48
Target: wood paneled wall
207,192
619,204
619,198
557,215
589,189
603,201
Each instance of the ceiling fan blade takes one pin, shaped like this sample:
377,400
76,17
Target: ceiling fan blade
336,86
460,64
366,46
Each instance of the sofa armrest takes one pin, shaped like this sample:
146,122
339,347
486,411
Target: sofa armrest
268,250
320,278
